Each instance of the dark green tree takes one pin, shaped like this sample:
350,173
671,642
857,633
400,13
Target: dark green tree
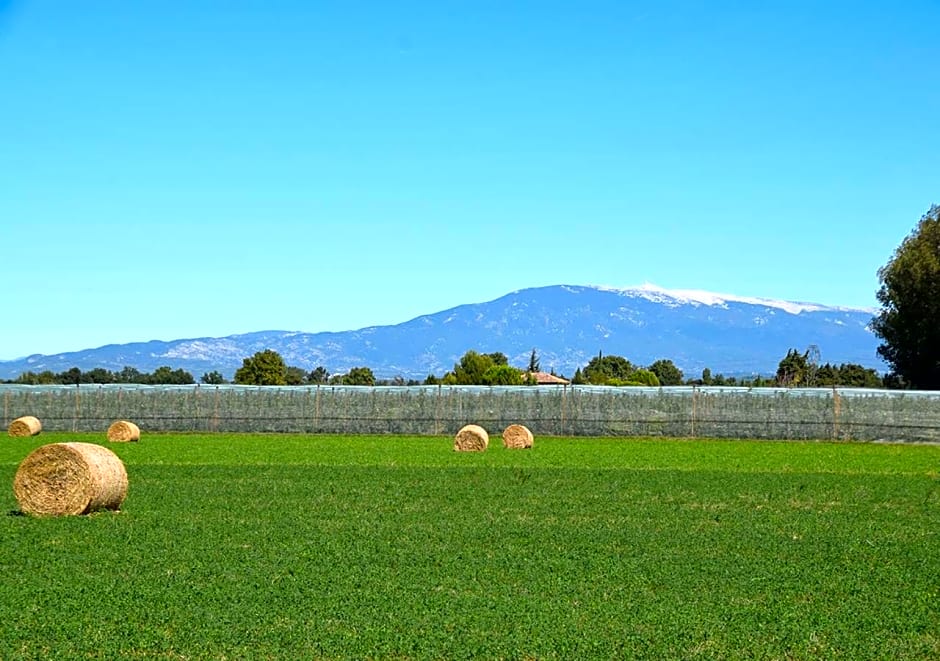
498,358
909,321
265,368
667,372
534,363
792,369
602,369
359,376
212,378
856,376
165,375
472,367
99,375
706,377
578,378
72,376
130,375
643,377
295,376
319,375
502,375
827,375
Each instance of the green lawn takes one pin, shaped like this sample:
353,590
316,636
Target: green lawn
306,547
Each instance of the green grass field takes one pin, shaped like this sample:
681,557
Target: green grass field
307,547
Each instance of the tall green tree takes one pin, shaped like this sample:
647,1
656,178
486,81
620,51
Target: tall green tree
707,376
602,369
72,376
472,367
359,376
213,378
130,375
793,368
502,375
534,363
827,375
166,375
856,376
318,375
643,377
265,368
667,372
909,321
100,375
498,358
295,376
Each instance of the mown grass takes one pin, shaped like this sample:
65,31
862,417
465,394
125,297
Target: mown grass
305,547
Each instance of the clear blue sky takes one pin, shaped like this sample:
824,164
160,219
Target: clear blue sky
183,169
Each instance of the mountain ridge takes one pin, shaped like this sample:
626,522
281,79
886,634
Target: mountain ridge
566,324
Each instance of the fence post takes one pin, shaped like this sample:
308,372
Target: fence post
694,403
836,411
564,399
215,410
316,410
196,416
78,408
438,424
303,412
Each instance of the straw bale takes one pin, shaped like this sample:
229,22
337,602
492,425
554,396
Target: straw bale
26,426
70,478
517,437
123,431
471,438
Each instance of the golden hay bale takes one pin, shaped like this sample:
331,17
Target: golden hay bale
517,437
471,438
123,431
70,478
25,426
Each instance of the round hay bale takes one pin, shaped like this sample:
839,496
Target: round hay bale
70,478
26,426
123,431
517,437
471,438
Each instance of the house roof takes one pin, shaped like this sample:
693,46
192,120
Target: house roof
546,379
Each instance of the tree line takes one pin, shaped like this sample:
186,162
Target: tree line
268,368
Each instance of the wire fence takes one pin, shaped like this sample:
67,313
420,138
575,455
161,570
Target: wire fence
685,411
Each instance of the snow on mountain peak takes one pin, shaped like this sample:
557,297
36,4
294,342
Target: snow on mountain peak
675,297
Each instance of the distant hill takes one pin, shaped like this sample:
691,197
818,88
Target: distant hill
567,325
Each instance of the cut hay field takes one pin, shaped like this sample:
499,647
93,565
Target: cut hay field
328,547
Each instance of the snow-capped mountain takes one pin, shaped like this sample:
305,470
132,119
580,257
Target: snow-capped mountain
567,325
